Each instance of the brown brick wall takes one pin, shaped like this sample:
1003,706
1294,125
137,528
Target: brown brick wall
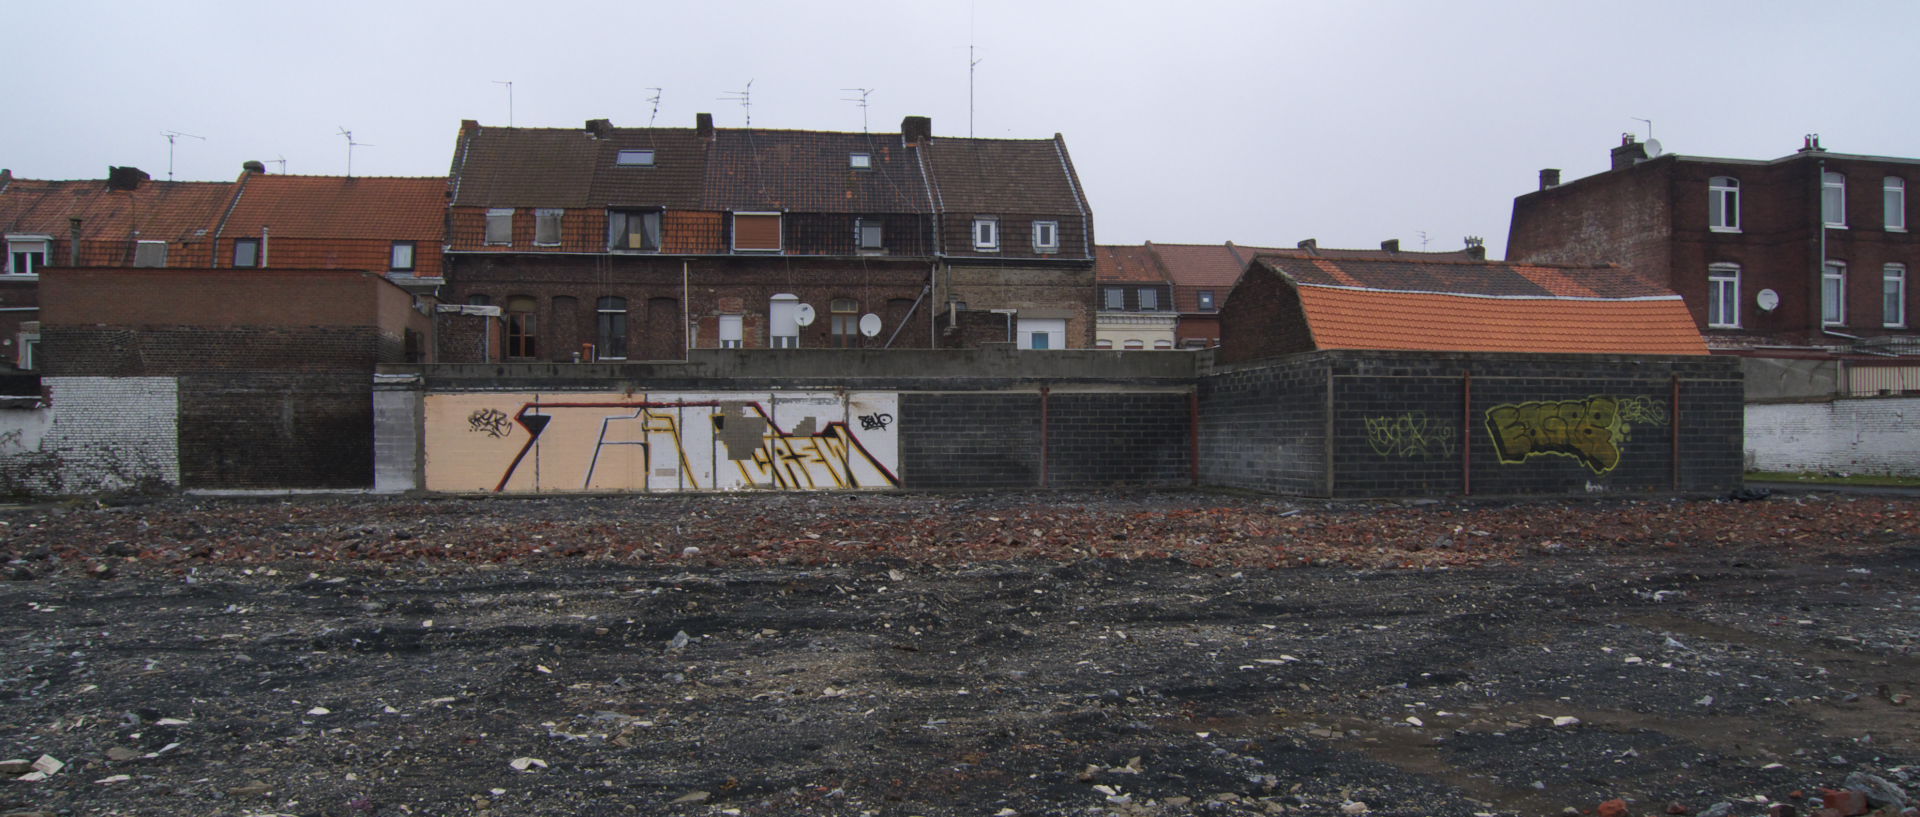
1033,290
1263,319
207,297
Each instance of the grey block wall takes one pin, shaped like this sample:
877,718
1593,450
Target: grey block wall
981,440
1118,439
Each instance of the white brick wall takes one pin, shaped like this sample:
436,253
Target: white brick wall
112,433
1866,436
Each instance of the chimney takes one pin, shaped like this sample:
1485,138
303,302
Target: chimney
1476,248
1309,245
1390,245
253,166
126,178
1629,153
703,125
916,130
1811,144
469,125
600,128
1549,177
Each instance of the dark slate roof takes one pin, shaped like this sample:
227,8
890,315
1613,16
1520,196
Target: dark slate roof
1004,175
810,171
674,181
159,210
1499,278
524,167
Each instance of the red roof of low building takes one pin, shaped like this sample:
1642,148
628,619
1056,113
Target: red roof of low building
340,207
1347,318
170,211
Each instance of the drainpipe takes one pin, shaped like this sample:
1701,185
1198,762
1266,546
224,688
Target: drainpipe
1193,435
73,242
1044,393
1466,433
1673,426
686,309
263,247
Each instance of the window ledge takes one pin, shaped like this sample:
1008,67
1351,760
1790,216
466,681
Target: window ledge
1896,229
1723,229
31,276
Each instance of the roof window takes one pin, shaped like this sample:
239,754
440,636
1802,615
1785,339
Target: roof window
634,158
860,161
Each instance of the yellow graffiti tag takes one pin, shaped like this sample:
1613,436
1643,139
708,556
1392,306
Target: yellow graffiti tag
1410,435
1590,430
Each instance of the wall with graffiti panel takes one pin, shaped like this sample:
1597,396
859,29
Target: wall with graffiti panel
655,442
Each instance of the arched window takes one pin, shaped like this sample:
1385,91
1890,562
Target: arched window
523,327
612,314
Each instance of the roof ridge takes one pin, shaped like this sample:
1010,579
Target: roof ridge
1547,297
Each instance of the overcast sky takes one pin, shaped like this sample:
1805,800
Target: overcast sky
1189,122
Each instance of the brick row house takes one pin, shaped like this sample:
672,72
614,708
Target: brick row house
605,243
1813,250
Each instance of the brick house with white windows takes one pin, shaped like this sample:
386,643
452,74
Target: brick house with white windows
639,243
1814,250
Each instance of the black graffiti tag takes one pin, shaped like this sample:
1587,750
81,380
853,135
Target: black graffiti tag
875,422
492,422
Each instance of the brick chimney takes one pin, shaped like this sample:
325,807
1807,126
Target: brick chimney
1811,144
469,125
600,128
1476,248
1309,245
1629,153
916,130
1549,177
703,125
1390,245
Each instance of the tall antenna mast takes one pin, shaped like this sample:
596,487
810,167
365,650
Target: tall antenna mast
282,162
655,101
1423,239
1649,126
971,62
509,84
171,135
745,97
350,146
862,102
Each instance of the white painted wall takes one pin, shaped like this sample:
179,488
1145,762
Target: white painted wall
1864,436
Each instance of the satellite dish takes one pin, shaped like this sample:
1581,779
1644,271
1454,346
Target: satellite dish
803,314
1767,299
1653,148
869,324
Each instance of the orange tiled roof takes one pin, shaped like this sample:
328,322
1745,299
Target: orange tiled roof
1126,264
1345,318
340,207
172,211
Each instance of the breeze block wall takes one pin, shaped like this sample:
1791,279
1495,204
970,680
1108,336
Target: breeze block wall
108,434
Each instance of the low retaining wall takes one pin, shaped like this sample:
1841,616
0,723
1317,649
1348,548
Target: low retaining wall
1863,436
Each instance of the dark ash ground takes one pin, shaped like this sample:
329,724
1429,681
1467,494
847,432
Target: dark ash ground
1031,654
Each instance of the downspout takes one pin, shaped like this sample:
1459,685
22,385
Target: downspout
73,242
1193,436
686,308
1466,433
1673,426
263,247
1820,269
1044,393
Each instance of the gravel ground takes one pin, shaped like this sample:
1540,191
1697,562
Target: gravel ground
1002,654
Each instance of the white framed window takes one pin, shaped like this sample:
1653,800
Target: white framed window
150,254
1833,294
633,230
400,257
29,351
1206,300
756,232
546,226
860,161
731,327
1149,300
1116,299
1723,296
500,226
246,252
1046,236
783,321
986,234
867,234
1893,196
1042,333
1833,199
639,157
611,312
1893,296
26,254
1723,204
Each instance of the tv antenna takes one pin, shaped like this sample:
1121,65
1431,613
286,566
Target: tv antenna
509,84
862,102
1649,125
172,135
282,162
655,101
1423,239
971,62
745,97
350,146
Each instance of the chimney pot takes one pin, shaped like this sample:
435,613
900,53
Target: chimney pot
703,125
916,130
1390,245
1549,177
1629,153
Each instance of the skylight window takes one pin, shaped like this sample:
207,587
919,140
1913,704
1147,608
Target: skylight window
634,158
860,161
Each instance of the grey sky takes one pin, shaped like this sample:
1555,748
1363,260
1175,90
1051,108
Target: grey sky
1193,121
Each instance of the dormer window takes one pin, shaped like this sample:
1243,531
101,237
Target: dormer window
634,158
633,230
860,161
150,254
756,232
26,254
246,252
1046,236
986,234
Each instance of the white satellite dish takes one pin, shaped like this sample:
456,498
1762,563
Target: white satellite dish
1653,148
803,314
1768,300
869,324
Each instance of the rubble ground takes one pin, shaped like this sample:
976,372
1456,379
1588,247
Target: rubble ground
994,654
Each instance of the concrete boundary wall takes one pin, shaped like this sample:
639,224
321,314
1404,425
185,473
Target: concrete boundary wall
1863,436
110,434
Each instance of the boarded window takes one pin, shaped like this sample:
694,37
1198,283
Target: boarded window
756,232
150,254
546,227
500,225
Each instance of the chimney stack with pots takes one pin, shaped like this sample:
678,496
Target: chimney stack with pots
1549,177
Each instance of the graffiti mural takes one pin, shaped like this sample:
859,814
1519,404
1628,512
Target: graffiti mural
660,442
1409,435
1592,430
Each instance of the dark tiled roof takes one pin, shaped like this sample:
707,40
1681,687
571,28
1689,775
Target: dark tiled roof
1126,264
159,210
340,207
809,171
1003,175
1500,278
524,167
674,181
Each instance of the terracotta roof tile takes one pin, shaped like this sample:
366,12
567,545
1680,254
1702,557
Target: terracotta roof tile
811,171
159,210
1367,319
1468,277
340,207
1126,264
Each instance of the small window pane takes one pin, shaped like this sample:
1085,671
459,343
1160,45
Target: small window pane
730,331
1149,300
1116,298
1206,300
246,252
1833,199
1833,295
402,256
860,161
635,158
1895,203
870,234
150,254
1893,297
